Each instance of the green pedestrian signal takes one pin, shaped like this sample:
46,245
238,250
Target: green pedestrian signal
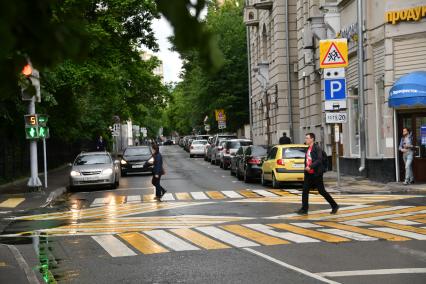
43,132
42,119
32,132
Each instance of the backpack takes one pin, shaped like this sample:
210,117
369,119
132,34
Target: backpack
324,161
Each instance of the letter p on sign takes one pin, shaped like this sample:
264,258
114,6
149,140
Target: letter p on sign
335,89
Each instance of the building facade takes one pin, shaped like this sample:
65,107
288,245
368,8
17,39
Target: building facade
394,35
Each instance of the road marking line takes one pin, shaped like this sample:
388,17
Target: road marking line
310,233
168,197
306,225
226,237
11,202
280,192
113,246
133,199
254,235
349,235
199,195
29,272
400,215
356,223
231,194
287,236
413,217
264,193
403,233
119,199
170,240
142,243
248,194
368,232
383,213
362,213
421,220
215,195
404,222
183,196
100,201
199,239
148,197
399,227
320,213
289,266
373,272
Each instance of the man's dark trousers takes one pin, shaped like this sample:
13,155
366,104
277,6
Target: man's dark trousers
311,182
158,188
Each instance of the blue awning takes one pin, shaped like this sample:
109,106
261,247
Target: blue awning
409,91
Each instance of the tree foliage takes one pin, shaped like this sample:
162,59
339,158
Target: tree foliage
200,92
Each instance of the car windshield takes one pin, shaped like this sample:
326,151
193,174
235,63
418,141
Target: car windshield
142,151
202,142
294,153
258,151
92,160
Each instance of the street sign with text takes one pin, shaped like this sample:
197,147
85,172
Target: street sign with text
336,117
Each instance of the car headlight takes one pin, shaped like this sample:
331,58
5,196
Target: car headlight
151,160
75,173
107,171
123,162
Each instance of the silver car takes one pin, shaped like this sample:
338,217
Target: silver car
94,169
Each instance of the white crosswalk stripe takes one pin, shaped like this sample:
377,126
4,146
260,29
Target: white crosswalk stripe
231,194
170,240
264,193
355,223
133,199
306,225
226,237
284,235
404,222
349,235
113,246
402,233
383,217
168,197
199,195
100,201
363,212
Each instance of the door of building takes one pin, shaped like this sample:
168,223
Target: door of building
416,122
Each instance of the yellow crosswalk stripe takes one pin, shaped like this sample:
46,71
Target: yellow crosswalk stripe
253,235
420,220
377,214
183,196
148,197
215,194
398,226
412,217
280,192
248,194
11,202
318,215
118,199
368,232
142,243
311,233
199,239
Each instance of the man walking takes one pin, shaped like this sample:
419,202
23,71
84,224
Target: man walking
157,172
284,139
314,176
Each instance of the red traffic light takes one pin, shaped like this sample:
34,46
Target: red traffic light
27,71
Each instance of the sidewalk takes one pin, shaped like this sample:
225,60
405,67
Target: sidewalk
357,184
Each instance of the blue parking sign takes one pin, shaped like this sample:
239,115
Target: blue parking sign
335,89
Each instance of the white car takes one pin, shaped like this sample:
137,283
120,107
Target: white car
197,148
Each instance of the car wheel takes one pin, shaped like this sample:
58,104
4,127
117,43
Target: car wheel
262,180
246,177
123,174
275,183
191,156
113,185
221,165
117,183
225,166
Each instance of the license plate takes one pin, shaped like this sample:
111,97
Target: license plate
137,166
298,166
89,178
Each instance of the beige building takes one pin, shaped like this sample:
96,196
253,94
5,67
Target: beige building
158,71
394,46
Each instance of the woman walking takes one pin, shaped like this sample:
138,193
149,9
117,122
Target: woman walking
406,147
157,172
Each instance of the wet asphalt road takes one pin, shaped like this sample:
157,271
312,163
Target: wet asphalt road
211,230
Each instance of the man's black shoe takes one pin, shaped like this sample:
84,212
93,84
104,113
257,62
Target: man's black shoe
164,192
334,210
302,212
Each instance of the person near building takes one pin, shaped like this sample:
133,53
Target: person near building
314,176
157,172
284,139
406,147
100,144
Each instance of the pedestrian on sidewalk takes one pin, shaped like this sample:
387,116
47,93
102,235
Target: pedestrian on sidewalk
157,172
100,144
406,147
314,176
284,139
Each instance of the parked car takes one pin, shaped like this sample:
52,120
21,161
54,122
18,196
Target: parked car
207,150
188,144
136,159
236,159
202,137
250,167
216,147
168,142
284,163
94,169
197,148
229,148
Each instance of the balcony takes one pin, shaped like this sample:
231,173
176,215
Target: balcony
264,4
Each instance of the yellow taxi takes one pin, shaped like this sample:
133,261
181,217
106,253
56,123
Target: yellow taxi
284,163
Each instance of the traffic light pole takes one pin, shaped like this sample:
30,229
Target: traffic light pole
34,181
45,162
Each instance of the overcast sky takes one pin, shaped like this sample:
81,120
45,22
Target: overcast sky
171,61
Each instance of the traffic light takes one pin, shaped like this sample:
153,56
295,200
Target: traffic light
30,83
31,120
42,119
43,132
35,126
32,132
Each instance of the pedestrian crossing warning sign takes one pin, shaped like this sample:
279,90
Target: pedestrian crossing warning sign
333,53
